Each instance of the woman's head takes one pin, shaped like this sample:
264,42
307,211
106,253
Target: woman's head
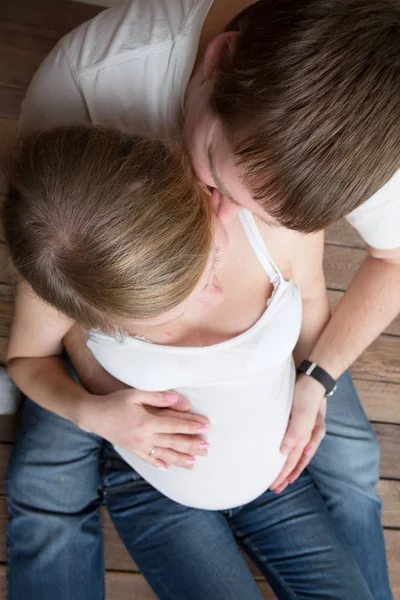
106,226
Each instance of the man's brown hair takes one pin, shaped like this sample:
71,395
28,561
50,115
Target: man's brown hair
309,96
104,225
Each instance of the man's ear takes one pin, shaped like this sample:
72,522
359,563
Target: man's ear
215,50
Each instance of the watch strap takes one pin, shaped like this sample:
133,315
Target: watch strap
319,374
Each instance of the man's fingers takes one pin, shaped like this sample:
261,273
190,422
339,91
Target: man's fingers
309,451
299,427
291,462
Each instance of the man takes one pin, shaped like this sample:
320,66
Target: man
292,113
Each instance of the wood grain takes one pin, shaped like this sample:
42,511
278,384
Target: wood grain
3,349
380,400
48,14
389,440
8,129
343,234
6,308
6,270
340,265
380,362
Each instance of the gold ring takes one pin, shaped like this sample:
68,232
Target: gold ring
152,451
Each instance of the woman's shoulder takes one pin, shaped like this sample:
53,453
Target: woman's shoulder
292,251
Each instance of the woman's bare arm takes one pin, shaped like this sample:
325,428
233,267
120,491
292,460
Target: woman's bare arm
33,356
128,418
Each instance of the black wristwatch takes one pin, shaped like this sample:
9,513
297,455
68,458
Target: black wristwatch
319,374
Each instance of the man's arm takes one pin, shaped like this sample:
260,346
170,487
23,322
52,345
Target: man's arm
369,305
366,309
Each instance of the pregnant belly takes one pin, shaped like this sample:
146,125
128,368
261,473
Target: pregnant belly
248,422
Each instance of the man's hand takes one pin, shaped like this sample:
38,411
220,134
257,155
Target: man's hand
140,421
305,432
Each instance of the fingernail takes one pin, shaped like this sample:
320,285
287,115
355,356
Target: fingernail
308,451
204,445
170,398
285,450
190,461
202,429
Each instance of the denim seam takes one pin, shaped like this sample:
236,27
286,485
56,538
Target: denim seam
262,559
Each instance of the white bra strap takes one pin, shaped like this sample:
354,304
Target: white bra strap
260,249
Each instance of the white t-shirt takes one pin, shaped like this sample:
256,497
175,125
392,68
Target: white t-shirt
244,385
129,68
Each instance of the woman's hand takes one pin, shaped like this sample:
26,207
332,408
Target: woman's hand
140,421
305,432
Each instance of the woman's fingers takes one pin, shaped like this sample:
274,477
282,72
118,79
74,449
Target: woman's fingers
161,400
163,458
180,425
185,444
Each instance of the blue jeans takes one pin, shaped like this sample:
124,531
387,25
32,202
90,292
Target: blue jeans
54,540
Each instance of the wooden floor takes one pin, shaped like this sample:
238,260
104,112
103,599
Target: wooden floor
28,30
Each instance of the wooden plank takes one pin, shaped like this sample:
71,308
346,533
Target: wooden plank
2,198
392,539
8,129
6,272
380,362
389,440
381,400
22,50
8,428
17,66
389,491
27,39
53,15
335,297
6,308
343,234
10,101
340,265
3,349
127,586
5,451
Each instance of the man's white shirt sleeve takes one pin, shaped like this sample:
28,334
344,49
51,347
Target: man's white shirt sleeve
378,219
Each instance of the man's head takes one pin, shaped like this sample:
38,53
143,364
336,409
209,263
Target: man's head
296,111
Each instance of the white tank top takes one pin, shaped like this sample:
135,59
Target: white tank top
244,385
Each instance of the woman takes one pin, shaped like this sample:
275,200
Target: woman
111,231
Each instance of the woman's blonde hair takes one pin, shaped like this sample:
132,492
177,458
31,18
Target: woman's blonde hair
105,225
